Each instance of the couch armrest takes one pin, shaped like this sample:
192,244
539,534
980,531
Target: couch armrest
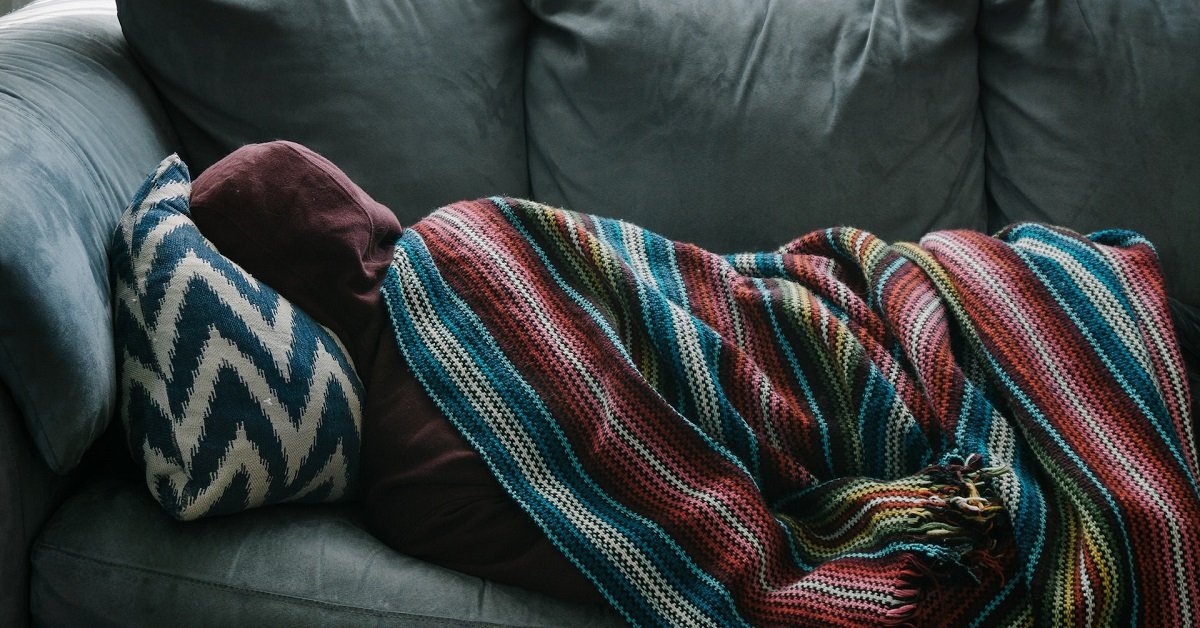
29,492
80,127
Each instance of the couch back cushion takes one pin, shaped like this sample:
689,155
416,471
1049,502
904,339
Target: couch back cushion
744,123
79,127
419,102
1093,119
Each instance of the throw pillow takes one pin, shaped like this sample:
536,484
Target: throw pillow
231,397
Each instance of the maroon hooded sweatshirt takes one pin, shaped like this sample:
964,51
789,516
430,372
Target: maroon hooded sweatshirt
296,222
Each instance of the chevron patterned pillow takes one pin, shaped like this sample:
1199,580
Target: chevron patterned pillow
231,397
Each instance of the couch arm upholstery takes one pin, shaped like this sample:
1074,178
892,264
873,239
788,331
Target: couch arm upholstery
79,129
29,491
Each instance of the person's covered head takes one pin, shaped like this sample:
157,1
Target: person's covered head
296,222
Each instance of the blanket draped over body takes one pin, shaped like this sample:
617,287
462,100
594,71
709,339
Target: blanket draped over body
972,430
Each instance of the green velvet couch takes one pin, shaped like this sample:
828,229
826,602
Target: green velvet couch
735,124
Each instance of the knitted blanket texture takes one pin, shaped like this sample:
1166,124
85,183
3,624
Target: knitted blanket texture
971,430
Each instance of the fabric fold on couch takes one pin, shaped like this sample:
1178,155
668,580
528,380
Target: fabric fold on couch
840,432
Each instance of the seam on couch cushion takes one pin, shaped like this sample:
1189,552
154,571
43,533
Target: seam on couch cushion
268,594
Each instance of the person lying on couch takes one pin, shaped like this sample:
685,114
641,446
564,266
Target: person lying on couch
820,435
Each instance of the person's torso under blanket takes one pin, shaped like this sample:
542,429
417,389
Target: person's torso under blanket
833,427
296,222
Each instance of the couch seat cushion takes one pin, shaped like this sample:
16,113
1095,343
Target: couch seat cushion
110,556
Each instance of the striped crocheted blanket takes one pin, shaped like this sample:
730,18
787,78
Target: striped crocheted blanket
971,431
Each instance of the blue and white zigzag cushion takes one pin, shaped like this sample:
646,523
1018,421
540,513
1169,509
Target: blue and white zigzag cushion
231,397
